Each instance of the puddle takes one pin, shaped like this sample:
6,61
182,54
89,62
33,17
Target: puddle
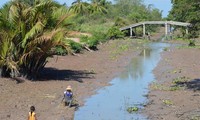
126,90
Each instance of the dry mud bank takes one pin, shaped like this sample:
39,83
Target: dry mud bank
86,73
175,94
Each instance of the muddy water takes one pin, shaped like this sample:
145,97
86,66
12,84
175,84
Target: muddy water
126,90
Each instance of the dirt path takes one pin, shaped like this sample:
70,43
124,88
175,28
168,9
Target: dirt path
86,73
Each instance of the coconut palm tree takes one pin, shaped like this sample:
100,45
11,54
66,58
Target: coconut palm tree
98,6
79,7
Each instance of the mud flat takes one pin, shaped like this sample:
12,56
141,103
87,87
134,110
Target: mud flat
86,73
176,92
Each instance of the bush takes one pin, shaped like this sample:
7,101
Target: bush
59,50
91,42
76,47
191,43
100,36
114,33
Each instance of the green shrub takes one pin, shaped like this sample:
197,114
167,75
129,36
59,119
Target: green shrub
114,33
59,50
120,22
191,43
91,42
76,47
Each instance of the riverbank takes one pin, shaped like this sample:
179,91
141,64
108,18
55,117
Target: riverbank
176,92
90,71
86,73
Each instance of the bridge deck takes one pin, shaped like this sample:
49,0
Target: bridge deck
156,22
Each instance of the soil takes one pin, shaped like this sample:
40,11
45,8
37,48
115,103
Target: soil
86,73
90,71
175,94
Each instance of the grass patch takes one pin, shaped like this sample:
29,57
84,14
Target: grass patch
122,45
167,102
156,86
174,88
195,117
180,80
179,83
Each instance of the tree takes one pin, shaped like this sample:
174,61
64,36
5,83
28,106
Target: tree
98,6
80,7
29,34
186,11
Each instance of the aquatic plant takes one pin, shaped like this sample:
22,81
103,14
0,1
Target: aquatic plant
132,109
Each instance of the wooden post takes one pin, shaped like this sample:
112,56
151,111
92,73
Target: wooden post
144,31
131,32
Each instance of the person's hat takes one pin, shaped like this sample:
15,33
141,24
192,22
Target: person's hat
32,108
69,88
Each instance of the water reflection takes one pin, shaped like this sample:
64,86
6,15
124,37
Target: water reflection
128,89
146,52
136,67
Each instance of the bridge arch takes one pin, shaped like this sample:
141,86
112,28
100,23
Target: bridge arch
166,23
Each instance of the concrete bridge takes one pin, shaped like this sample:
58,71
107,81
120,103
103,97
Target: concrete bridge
167,24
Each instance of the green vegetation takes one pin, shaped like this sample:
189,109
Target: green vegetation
167,102
166,49
187,11
175,88
76,47
156,86
34,30
177,84
197,117
180,80
28,35
132,109
124,45
114,33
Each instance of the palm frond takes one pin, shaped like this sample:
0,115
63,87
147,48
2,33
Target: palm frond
38,27
13,14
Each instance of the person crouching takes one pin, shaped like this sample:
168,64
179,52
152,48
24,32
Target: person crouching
68,95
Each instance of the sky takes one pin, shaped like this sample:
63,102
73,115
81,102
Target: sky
164,5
